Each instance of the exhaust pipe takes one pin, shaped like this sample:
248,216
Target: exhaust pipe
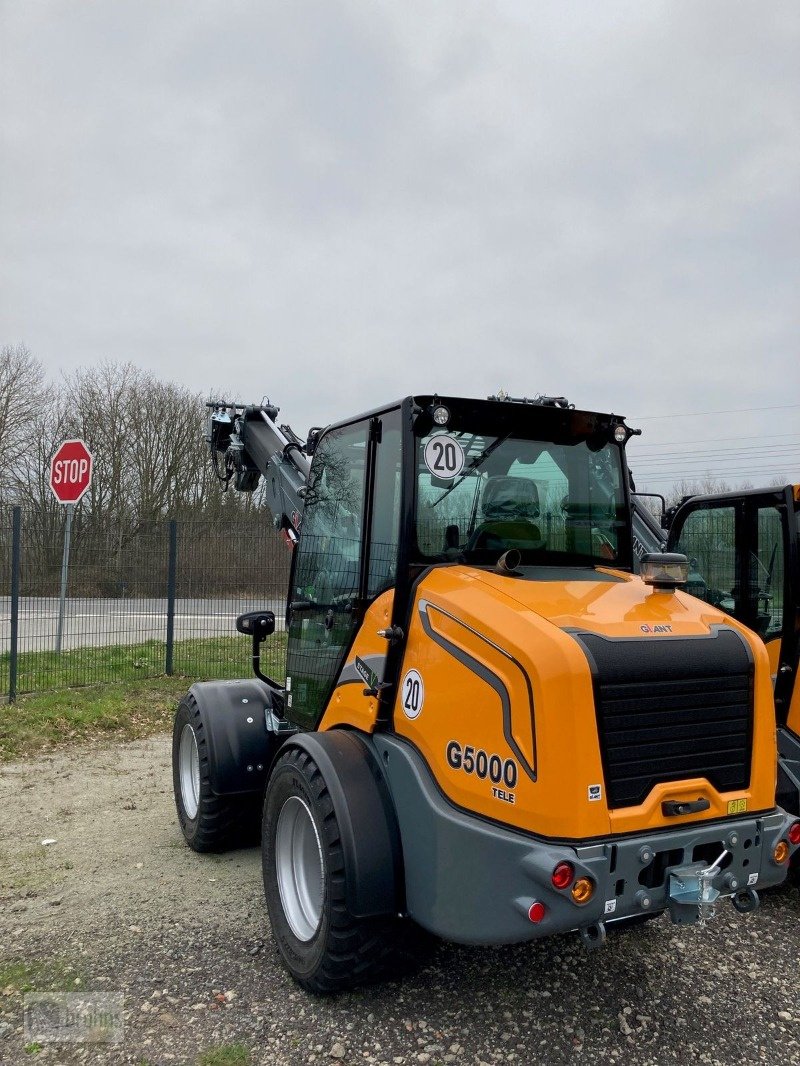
509,561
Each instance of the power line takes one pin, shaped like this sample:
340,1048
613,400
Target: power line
730,449
777,455
719,454
716,460
642,475
670,467
760,464
731,411
713,440
711,458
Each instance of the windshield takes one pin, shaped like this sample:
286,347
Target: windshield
558,503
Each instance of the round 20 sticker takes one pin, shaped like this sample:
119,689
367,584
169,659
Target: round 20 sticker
412,694
444,456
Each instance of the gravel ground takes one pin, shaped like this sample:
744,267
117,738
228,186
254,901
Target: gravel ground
119,904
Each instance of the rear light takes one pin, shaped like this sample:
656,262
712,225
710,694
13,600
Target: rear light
563,875
583,890
780,853
794,833
536,912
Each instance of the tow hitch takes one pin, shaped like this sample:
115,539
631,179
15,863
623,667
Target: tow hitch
692,896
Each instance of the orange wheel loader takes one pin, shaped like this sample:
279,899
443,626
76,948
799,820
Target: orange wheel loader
490,728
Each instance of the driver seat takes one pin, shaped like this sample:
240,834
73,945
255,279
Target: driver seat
509,507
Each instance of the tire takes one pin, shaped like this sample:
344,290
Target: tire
208,822
324,947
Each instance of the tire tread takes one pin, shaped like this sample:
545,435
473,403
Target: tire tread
358,950
223,822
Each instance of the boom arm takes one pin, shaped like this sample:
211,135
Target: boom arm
253,446
647,534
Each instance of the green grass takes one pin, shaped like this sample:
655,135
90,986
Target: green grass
128,706
39,723
225,1055
36,976
208,657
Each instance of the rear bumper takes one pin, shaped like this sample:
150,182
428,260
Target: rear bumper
473,882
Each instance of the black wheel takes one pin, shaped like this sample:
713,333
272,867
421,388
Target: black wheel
324,947
208,822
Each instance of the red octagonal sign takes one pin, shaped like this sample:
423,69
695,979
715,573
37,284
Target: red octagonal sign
71,471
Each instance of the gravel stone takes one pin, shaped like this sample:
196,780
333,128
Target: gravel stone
184,938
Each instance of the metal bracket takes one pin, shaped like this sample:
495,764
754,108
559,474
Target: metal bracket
692,896
593,936
280,727
746,901
392,634
377,689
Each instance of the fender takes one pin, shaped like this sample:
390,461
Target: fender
240,747
366,816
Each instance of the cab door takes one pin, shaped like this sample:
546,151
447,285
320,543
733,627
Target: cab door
323,611
743,556
346,557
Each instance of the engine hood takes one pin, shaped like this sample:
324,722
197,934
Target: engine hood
548,673
609,602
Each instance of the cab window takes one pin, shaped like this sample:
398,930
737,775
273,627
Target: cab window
708,540
767,574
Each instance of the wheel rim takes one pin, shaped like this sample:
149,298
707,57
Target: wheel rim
299,868
189,769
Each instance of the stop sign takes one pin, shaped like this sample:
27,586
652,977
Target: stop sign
71,471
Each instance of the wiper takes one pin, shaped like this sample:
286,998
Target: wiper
473,466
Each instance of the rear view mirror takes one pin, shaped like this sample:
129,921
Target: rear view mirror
256,624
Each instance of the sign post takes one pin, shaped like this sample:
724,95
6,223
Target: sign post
70,478
62,599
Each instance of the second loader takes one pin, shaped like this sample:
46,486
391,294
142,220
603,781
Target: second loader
744,549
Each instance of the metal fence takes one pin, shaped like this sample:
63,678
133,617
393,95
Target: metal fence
142,602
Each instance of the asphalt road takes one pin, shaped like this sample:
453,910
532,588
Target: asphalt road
96,622
119,904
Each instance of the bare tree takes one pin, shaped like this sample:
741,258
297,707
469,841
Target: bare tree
150,464
23,393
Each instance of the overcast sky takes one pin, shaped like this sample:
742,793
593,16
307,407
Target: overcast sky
336,203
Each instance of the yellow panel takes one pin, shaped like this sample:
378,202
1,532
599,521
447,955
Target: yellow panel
794,708
348,705
774,652
475,636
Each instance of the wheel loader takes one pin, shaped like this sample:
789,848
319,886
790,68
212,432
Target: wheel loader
490,729
744,551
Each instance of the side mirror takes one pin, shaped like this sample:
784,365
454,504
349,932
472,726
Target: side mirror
256,624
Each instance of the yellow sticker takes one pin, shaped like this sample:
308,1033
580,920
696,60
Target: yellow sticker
737,806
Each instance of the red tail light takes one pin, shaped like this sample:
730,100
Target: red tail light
794,833
563,875
536,912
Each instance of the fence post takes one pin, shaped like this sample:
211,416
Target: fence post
172,568
16,537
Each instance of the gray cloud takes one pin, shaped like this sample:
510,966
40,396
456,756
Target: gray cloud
337,203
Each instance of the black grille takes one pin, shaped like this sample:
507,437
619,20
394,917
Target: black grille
672,708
